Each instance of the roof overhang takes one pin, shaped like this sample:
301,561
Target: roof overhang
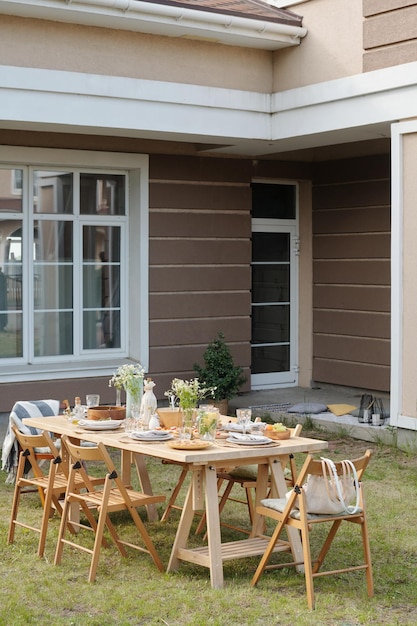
161,19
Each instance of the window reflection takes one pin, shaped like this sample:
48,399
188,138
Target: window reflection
102,194
52,192
101,279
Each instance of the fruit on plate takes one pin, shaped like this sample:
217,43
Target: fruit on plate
279,428
278,431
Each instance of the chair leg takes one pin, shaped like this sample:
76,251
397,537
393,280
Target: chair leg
13,516
171,503
97,545
146,538
326,546
367,557
308,572
267,554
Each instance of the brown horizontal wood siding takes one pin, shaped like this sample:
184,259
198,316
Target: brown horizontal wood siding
389,33
199,262
351,273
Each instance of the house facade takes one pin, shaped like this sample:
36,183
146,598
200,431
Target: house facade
170,170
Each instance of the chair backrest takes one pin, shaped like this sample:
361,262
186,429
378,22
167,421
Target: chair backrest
97,454
20,410
314,467
296,431
31,443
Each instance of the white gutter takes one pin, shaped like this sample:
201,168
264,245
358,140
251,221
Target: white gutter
160,19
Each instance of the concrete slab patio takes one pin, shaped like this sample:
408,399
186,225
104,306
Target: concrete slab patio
324,394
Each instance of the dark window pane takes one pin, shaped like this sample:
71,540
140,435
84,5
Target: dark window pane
102,194
269,359
274,201
270,283
101,243
270,324
270,247
101,329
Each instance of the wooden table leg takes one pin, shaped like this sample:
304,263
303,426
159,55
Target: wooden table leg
145,484
213,528
183,530
258,523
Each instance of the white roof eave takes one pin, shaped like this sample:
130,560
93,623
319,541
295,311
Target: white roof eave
160,19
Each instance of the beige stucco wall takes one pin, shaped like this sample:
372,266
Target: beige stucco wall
409,339
332,48
54,45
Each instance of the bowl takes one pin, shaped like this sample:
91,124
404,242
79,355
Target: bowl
277,434
170,418
106,413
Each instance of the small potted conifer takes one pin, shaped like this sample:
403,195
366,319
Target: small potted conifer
220,372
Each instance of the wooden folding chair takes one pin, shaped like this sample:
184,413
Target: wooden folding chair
50,480
107,498
282,510
174,495
245,476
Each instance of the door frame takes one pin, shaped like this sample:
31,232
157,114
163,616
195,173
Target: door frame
288,378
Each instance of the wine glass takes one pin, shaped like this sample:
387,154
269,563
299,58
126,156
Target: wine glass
244,418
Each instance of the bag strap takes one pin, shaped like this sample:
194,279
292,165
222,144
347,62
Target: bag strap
348,469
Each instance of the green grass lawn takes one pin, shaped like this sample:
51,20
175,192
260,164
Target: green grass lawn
132,592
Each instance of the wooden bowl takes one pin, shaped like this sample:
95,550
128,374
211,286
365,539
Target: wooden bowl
170,418
106,413
278,434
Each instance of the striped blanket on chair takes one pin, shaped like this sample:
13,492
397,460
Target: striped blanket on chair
35,408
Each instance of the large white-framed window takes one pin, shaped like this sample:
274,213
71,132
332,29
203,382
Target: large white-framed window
73,263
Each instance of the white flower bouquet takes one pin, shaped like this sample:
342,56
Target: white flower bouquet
187,393
129,378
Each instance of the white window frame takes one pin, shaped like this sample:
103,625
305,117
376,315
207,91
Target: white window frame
276,380
135,281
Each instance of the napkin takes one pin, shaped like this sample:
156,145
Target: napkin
248,437
151,434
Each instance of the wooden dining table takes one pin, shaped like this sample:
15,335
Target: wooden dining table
203,466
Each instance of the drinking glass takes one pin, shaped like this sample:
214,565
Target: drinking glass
92,399
244,418
130,425
137,417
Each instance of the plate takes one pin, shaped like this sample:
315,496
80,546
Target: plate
151,435
96,425
238,428
191,444
259,441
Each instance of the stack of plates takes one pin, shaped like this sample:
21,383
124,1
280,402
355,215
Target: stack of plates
100,425
151,435
248,440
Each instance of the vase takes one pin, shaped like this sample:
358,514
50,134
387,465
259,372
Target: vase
189,415
118,397
131,400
